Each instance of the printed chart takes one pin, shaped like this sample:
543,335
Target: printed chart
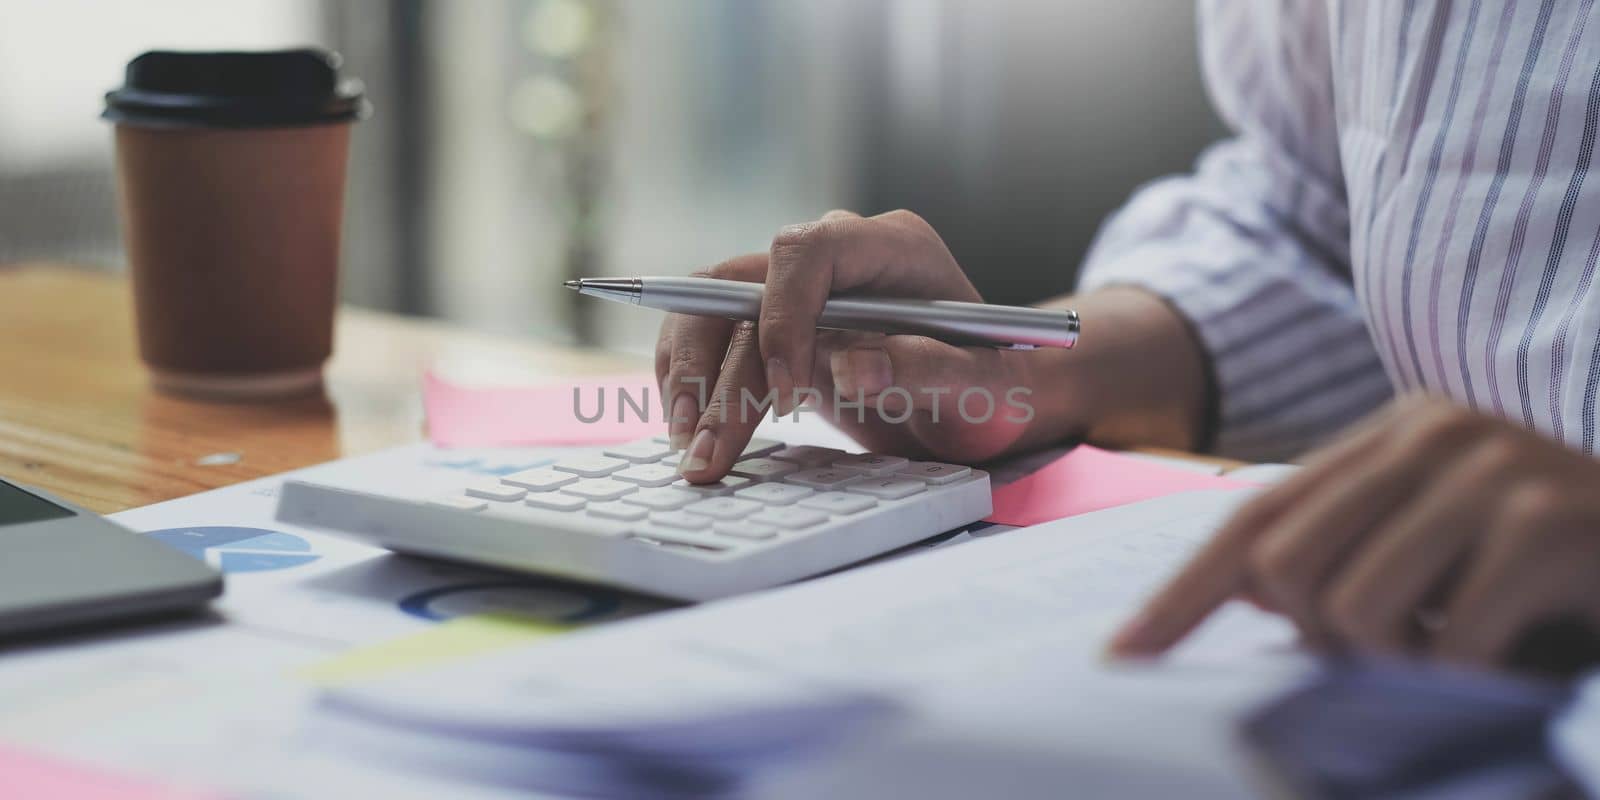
235,549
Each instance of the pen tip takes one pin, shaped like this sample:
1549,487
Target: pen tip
573,284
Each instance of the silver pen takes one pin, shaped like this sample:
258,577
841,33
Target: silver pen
1014,327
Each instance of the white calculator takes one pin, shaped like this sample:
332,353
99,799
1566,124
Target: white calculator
622,515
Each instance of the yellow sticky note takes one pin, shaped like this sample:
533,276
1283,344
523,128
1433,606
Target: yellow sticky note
458,638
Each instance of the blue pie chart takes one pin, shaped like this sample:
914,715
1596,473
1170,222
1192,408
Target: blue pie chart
234,549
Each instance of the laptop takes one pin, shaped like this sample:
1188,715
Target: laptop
66,566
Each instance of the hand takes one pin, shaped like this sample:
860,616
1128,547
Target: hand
915,382
1433,531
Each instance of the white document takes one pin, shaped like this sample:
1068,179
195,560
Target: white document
912,630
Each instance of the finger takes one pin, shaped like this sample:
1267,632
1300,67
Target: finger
695,349
1523,574
737,405
809,262
699,345
840,213
1373,604
1218,571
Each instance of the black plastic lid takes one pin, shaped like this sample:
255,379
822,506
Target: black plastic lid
279,88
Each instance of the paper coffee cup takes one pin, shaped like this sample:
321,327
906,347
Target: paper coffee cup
231,176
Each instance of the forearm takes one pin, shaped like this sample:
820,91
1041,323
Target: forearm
1138,377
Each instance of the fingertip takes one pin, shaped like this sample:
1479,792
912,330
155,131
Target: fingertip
696,460
1137,638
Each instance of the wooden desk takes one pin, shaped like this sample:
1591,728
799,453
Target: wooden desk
77,417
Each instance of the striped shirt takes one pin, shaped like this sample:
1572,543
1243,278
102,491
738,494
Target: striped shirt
1405,206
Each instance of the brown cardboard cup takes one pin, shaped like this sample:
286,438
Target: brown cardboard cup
231,189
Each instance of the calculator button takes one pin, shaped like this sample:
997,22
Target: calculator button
760,447
616,510
662,439
823,479
639,452
600,489
647,475
889,488
745,529
773,494
838,502
665,499
491,489
728,485
555,501
590,466
870,464
789,517
681,519
934,472
671,459
724,507
456,502
806,456
540,480
762,469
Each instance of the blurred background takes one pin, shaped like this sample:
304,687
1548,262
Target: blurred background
517,143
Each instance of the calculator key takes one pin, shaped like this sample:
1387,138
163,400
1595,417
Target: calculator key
458,502
790,517
492,489
724,508
600,489
806,456
934,472
540,480
870,464
888,488
681,519
616,510
647,474
555,501
728,485
664,499
760,447
745,529
590,466
639,452
671,459
823,479
840,503
662,439
763,469
773,494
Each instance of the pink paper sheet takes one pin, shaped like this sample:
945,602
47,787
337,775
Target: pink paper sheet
1089,479
25,775
466,416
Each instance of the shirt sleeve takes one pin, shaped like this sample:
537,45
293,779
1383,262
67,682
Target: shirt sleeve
1253,247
